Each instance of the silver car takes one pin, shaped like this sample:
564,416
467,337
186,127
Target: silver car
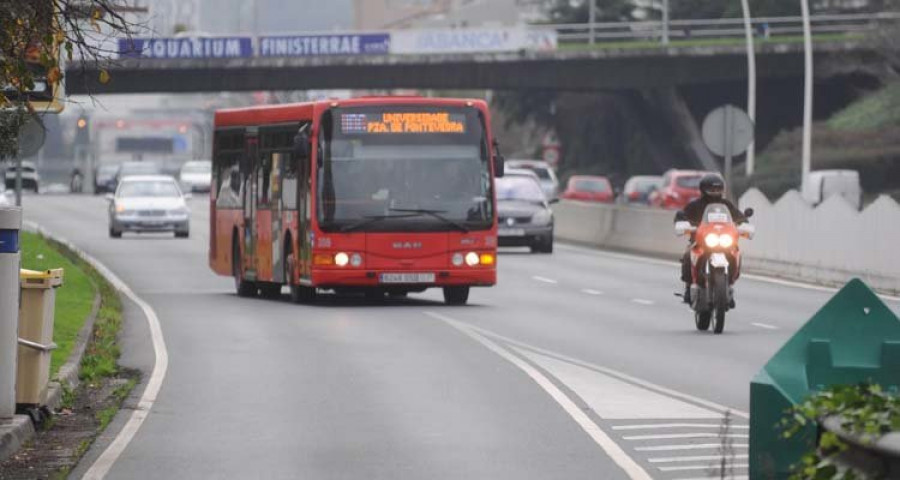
149,203
196,176
545,174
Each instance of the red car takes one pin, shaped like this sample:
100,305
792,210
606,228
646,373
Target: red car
589,188
679,187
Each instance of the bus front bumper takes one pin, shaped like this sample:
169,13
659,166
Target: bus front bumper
333,278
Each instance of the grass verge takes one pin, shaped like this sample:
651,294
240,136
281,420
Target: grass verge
74,299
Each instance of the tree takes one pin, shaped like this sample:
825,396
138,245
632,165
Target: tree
32,33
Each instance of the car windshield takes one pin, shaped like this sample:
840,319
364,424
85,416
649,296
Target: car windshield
591,185
197,168
153,188
689,181
521,188
382,161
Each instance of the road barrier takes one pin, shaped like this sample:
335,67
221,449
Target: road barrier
827,245
854,338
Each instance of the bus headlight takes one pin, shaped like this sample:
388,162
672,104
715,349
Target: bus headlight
472,259
726,240
341,259
356,260
712,240
457,259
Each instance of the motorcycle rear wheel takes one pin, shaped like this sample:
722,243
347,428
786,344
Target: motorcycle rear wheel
719,287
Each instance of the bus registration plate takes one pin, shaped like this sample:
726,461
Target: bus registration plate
407,278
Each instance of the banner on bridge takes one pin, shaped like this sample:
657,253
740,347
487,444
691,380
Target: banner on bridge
186,47
324,45
472,40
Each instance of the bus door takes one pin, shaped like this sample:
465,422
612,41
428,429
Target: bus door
276,205
248,200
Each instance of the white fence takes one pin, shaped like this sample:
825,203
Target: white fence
827,245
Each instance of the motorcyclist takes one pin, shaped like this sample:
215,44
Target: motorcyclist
712,190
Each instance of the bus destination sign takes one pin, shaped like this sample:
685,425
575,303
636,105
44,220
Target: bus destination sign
403,122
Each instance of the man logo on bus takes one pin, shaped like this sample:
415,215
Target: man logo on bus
407,245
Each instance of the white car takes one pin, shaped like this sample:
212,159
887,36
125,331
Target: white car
196,176
7,197
149,203
543,170
31,180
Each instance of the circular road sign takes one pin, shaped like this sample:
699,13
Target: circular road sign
31,137
728,131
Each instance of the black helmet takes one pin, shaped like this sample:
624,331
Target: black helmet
713,186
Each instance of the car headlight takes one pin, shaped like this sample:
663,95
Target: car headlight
712,240
542,218
726,240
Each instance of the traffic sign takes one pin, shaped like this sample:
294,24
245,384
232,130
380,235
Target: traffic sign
728,131
31,137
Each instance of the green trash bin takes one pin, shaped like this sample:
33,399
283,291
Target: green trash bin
854,338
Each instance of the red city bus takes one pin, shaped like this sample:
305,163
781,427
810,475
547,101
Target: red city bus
382,196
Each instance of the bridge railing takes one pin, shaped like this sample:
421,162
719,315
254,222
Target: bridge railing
724,28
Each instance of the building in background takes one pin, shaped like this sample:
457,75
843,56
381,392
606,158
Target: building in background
394,14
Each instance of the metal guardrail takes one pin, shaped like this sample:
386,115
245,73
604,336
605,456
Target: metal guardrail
767,27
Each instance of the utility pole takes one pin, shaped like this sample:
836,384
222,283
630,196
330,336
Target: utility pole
592,18
807,95
665,22
751,82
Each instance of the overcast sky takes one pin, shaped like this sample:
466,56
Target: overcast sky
235,16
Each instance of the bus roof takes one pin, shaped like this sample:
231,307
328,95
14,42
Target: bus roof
272,114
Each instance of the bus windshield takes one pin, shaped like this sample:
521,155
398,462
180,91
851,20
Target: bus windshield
403,168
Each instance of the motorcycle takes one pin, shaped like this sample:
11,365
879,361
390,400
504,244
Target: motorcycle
715,263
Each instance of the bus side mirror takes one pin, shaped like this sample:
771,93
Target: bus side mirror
748,212
499,161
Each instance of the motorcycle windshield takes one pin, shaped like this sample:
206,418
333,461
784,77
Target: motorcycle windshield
717,213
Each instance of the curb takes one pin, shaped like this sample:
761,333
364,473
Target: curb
19,430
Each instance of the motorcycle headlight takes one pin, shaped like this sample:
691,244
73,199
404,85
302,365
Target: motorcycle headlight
726,240
712,240
542,218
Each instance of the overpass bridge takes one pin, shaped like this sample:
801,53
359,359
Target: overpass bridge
587,69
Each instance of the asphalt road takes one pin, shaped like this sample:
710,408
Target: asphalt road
579,364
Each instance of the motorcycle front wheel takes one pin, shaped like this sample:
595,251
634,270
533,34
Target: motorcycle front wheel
719,286
701,319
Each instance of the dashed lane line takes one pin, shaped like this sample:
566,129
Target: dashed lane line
671,436
544,280
765,326
674,425
694,446
641,301
703,467
698,458
592,292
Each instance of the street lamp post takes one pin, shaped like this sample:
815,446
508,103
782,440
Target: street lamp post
665,22
807,95
592,14
751,82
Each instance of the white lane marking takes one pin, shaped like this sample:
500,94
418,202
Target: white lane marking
670,436
749,276
698,458
618,455
717,477
703,467
615,373
675,425
104,463
592,292
544,280
612,398
641,301
764,326
694,446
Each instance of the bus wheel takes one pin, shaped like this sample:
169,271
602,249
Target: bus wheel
456,295
241,286
270,290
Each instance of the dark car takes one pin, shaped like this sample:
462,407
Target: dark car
105,178
525,218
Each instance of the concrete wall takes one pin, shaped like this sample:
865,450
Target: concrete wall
827,245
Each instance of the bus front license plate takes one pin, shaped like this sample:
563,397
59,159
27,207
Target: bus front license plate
407,278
